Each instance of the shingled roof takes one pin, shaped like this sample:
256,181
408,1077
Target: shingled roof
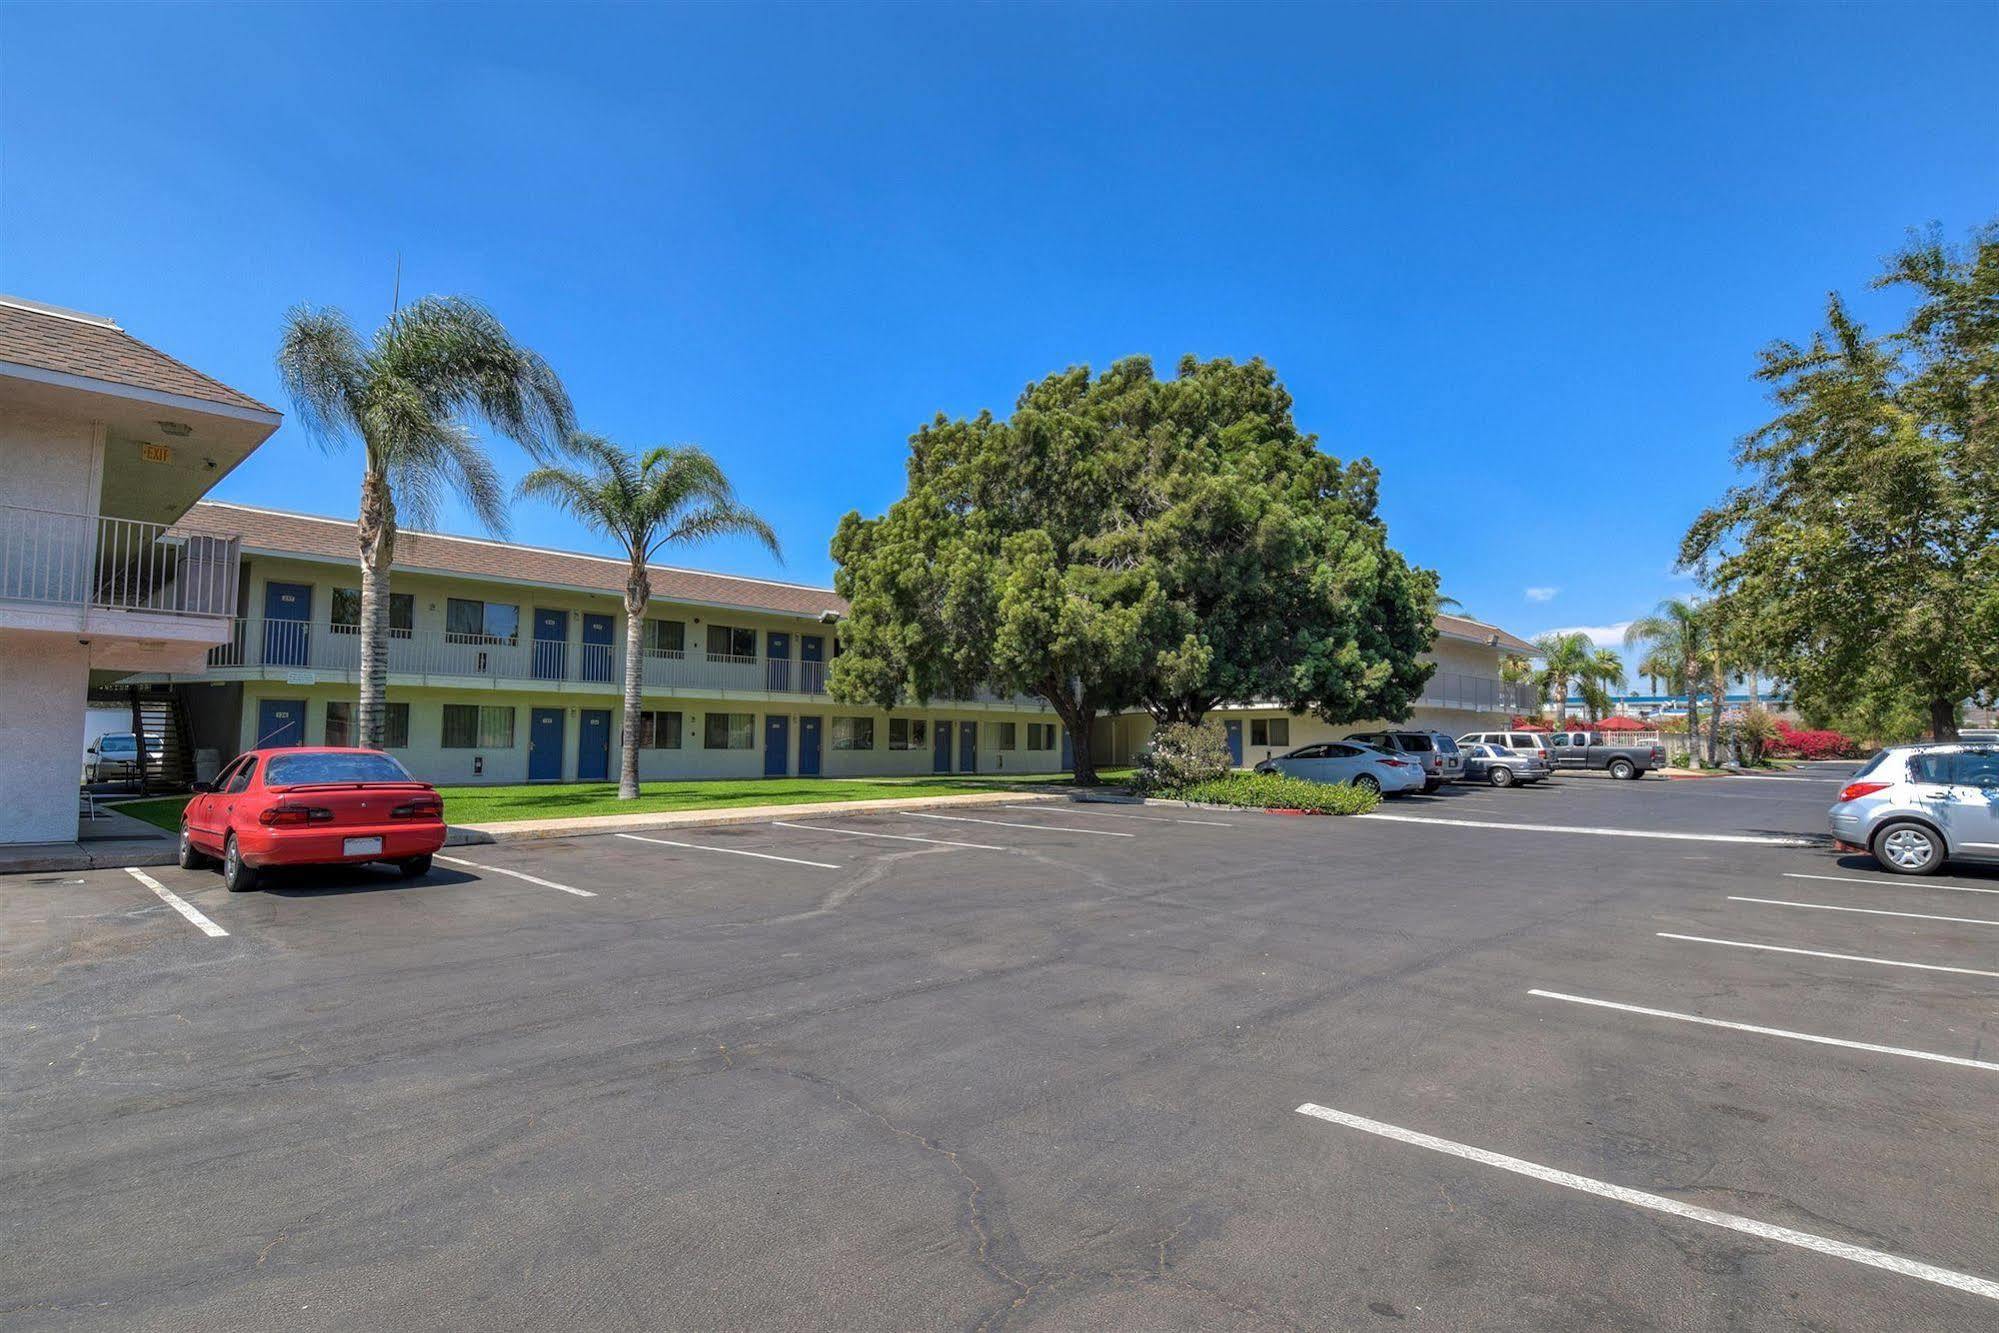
277,532
1464,627
91,347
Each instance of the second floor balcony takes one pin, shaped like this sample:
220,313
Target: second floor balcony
266,647
1484,694
85,564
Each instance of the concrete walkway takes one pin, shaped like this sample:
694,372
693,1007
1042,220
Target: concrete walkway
108,841
527,830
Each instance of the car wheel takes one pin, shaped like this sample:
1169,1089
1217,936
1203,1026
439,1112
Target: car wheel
1908,848
416,865
1368,782
190,859
1623,770
1500,777
236,877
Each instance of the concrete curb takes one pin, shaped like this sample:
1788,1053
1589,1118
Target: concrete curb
533,830
75,856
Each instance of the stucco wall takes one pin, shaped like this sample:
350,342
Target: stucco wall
43,681
49,462
427,758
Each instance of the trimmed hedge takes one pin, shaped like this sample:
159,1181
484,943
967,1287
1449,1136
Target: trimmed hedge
1274,791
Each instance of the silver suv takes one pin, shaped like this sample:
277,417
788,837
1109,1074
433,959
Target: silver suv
1916,806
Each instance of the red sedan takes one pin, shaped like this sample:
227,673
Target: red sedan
310,807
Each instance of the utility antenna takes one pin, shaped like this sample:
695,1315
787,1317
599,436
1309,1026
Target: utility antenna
396,297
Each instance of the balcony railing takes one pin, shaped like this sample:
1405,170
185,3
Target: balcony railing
119,564
1485,694
304,646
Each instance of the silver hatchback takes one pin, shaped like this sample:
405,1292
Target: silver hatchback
1916,806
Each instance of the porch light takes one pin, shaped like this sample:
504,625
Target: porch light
178,429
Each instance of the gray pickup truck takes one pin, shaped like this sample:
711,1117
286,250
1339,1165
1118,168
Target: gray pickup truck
1578,749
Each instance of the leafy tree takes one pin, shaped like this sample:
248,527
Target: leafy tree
1865,547
670,497
407,394
1121,540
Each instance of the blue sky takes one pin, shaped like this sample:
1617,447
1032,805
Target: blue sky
1519,256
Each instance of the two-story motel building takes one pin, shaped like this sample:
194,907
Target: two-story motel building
240,625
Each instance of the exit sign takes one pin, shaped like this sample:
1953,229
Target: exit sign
157,453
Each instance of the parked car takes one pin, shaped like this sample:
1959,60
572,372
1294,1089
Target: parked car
308,807
1914,807
1436,752
1502,767
114,757
1578,749
1340,761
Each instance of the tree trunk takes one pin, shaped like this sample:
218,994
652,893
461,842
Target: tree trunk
638,592
1693,684
1561,702
1714,715
1079,715
376,532
1943,719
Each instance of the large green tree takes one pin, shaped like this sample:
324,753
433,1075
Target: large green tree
1122,540
410,395
674,496
1864,548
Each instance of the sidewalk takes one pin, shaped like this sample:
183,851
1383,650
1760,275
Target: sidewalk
528,830
108,841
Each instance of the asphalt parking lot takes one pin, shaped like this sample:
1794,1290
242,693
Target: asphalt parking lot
1602,1055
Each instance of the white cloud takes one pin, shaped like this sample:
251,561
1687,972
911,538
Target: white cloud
1541,594
1603,636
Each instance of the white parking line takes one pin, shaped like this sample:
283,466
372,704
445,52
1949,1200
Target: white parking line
730,851
1003,823
1885,881
1599,832
1106,814
1820,953
892,837
1771,1032
1748,1226
178,903
1867,911
515,874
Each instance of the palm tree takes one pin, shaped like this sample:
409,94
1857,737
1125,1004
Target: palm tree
1564,658
1676,638
671,497
407,395
1604,673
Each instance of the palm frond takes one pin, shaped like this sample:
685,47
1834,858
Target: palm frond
324,369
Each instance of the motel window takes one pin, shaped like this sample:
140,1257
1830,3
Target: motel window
729,731
729,641
343,724
478,727
467,621
347,613
853,733
1041,735
1270,731
1004,735
659,731
665,638
906,733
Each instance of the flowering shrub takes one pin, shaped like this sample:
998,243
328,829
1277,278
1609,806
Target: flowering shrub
1793,744
1274,791
1183,752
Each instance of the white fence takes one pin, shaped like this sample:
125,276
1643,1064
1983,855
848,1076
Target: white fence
119,564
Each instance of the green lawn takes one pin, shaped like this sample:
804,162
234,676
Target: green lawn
493,805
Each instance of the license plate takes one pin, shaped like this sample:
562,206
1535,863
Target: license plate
361,847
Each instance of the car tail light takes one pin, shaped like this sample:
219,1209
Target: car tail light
1391,763
430,809
1853,791
287,816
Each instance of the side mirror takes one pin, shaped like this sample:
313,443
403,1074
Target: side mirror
201,788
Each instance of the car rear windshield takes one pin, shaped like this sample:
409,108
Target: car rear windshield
1414,743
293,770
